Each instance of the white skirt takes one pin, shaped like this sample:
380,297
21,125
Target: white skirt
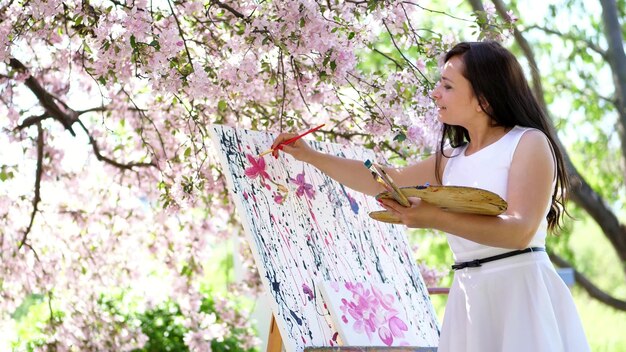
515,304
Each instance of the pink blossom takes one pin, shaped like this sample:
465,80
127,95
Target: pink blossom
197,342
511,16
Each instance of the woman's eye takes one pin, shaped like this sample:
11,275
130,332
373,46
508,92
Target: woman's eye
447,86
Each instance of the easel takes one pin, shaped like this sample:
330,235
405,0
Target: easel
274,341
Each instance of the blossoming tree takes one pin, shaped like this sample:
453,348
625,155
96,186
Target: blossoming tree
109,188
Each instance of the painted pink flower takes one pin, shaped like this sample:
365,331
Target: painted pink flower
257,168
397,326
385,335
386,300
278,198
356,289
363,309
373,312
303,187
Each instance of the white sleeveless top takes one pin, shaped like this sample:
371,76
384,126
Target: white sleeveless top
488,169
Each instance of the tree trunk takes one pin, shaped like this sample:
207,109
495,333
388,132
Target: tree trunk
617,60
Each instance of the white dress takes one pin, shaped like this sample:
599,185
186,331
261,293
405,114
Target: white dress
513,304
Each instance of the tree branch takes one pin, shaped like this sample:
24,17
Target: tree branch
143,115
49,103
411,64
348,136
588,286
436,11
591,45
38,173
596,207
32,120
297,75
47,100
281,70
398,65
96,109
118,3
99,156
182,34
228,8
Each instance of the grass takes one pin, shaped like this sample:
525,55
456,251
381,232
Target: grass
603,325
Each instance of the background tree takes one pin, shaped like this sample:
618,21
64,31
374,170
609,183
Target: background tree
111,196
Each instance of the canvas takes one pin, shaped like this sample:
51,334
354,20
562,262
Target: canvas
304,228
368,314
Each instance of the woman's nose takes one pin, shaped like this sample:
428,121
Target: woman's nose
435,93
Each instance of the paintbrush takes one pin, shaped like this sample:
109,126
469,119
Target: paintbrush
290,140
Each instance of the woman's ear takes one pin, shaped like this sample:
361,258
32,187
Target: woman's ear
483,106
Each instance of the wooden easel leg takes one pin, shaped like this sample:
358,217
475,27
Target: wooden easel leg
274,341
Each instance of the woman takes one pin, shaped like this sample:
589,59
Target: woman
506,295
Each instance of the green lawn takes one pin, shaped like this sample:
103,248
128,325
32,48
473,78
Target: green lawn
604,325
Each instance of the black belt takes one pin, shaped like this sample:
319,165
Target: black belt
477,262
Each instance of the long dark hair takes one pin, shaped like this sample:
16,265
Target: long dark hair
497,79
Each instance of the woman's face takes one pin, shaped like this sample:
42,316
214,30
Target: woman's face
455,98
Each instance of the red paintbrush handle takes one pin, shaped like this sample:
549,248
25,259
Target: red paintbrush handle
291,140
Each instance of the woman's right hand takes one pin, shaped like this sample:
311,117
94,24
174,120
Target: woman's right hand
298,149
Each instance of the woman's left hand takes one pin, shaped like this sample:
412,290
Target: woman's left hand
419,215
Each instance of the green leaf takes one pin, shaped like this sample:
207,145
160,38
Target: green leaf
133,43
187,152
155,44
400,137
222,106
87,48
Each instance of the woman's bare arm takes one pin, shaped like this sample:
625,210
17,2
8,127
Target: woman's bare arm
529,192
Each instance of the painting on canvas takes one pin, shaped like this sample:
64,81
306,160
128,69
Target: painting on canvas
368,314
304,228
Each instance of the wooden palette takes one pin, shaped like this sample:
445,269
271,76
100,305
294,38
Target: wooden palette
451,198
